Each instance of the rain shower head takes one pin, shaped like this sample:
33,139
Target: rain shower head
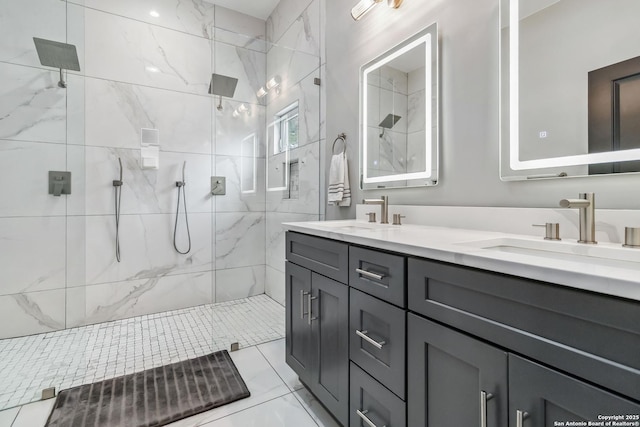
222,85
389,121
58,55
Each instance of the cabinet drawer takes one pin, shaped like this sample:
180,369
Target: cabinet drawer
378,273
371,400
378,338
327,257
573,330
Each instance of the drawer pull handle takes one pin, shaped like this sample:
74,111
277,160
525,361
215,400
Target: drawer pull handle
302,295
520,417
363,415
310,298
484,397
367,338
370,274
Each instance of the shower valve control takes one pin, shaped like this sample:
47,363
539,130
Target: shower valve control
59,183
218,185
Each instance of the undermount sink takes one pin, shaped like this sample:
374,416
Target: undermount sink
599,254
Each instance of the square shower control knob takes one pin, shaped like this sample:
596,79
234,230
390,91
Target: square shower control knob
218,185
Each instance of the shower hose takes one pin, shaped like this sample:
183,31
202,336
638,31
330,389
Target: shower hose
181,190
117,184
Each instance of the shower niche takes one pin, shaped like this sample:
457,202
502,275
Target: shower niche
399,115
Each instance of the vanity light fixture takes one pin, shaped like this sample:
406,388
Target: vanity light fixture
364,6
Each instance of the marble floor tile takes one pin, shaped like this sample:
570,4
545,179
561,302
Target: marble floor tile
34,414
274,352
283,411
8,416
315,409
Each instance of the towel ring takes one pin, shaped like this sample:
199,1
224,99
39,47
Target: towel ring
343,137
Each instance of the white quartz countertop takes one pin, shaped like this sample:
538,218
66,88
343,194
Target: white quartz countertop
605,268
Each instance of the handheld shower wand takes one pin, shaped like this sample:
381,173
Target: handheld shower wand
117,184
181,189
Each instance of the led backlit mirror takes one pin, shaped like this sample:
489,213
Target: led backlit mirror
399,115
570,79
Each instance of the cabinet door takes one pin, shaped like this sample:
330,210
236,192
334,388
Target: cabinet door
449,375
329,311
541,397
298,331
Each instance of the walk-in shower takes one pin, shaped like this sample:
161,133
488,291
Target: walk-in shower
92,286
58,55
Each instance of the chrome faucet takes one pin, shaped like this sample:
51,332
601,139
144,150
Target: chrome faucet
384,207
586,203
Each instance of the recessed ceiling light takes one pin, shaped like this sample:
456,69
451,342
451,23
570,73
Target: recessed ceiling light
152,69
154,13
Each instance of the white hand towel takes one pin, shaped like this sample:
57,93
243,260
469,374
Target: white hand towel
339,189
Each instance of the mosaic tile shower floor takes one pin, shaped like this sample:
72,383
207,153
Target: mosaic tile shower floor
93,353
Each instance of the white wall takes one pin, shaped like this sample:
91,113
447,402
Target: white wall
469,33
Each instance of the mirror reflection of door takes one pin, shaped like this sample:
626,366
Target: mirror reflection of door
614,113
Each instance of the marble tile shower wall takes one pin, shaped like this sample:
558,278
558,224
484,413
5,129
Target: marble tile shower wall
58,267
296,54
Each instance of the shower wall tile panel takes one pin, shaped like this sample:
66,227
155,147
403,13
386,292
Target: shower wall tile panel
275,284
183,120
33,107
236,283
231,130
144,191
31,313
189,16
25,165
291,67
46,20
275,249
240,238
283,16
126,50
120,300
303,34
305,92
33,254
146,248
233,22
240,40
247,65
239,173
309,164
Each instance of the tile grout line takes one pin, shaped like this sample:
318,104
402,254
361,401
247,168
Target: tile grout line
293,392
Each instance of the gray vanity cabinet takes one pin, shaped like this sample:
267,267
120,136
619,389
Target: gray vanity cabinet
454,380
317,319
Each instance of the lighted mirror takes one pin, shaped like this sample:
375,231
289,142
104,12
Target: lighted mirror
399,115
570,79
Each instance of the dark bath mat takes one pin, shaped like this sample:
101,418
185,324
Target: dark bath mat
155,397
